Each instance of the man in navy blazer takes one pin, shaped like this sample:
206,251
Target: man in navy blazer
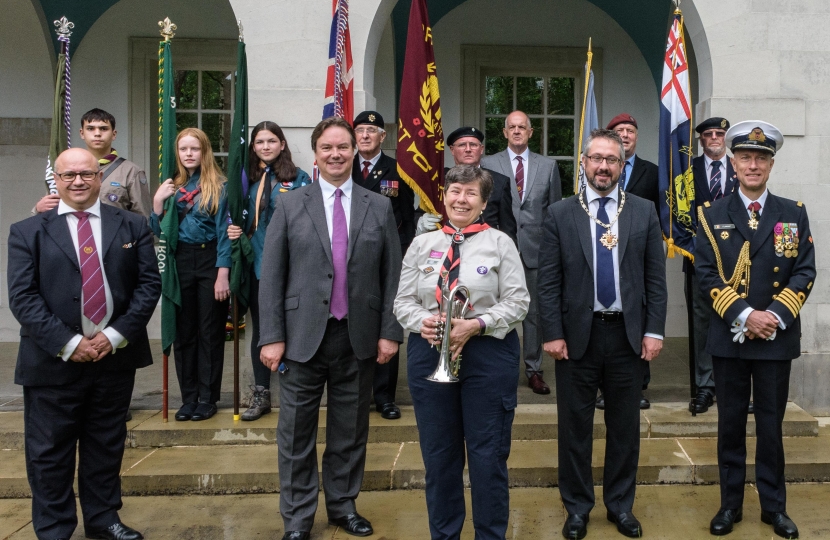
714,179
79,346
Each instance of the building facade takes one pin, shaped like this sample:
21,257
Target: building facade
764,59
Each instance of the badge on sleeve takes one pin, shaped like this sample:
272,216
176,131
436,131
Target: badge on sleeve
481,270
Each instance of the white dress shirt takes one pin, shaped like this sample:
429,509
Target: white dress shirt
88,327
329,198
515,163
592,202
372,163
708,162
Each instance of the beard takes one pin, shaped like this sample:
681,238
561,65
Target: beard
600,184
714,150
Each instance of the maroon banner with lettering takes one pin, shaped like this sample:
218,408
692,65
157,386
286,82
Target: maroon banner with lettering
420,151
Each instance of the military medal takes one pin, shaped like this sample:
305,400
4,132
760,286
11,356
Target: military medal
609,239
753,222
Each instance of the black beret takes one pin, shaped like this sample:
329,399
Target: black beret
465,132
716,122
369,117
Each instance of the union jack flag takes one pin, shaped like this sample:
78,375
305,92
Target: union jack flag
339,89
677,190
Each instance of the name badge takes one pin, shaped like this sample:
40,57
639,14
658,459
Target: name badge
116,184
722,226
436,254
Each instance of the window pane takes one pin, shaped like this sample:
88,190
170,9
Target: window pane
494,140
535,142
561,95
216,89
498,95
566,175
186,87
186,120
218,129
560,137
529,92
222,161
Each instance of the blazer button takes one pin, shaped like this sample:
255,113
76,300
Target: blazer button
325,302
77,328
76,299
775,284
522,226
330,276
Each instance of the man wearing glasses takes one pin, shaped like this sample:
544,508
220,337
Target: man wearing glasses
378,172
467,148
83,284
714,179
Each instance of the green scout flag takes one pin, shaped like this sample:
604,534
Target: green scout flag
241,251
171,299
59,139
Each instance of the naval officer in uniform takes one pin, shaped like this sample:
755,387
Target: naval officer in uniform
754,330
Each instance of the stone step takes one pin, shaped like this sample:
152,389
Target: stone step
532,422
230,469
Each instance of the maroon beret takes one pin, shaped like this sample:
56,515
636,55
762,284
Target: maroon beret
622,118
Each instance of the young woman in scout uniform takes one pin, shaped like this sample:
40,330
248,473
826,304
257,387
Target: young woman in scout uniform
270,164
203,261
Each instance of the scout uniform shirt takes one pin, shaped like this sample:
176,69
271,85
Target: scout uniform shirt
126,188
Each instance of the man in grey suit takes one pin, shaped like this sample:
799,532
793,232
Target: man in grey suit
602,303
535,186
331,265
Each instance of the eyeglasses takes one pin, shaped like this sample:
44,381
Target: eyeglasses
69,176
366,130
713,134
470,145
597,159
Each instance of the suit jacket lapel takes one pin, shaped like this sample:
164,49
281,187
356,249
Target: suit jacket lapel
582,223
530,175
57,228
317,212
377,174
739,217
623,229
507,170
637,171
110,222
770,214
360,206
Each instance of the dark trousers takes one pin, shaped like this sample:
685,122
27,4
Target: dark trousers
200,325
769,380
478,411
262,375
87,416
702,310
531,330
386,380
611,360
348,381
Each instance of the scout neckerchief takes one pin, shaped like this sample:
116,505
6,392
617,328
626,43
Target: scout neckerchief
452,263
109,158
263,197
189,198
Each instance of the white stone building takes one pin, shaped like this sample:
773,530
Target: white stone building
766,59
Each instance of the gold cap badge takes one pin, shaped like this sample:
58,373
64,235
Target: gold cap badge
723,123
757,134
371,117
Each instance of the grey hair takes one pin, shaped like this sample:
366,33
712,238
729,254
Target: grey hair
607,134
467,174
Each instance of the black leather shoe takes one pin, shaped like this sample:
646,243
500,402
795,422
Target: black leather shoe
723,521
576,526
353,524
129,416
627,524
751,408
390,411
203,411
644,402
116,531
601,402
186,412
702,401
781,523
296,535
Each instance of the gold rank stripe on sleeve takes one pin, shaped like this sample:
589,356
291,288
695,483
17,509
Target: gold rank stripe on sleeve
793,301
723,299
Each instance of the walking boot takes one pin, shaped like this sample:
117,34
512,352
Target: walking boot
260,403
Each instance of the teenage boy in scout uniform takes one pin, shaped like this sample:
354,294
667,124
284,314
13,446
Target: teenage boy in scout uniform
754,331
124,183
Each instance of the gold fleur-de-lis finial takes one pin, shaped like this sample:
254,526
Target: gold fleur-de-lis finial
676,7
241,35
64,27
168,29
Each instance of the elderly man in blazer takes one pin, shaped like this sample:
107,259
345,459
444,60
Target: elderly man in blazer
602,296
333,261
83,284
535,185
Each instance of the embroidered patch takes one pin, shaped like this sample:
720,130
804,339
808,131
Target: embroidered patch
481,270
112,197
429,270
436,254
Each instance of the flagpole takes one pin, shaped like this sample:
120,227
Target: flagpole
236,417
582,117
166,31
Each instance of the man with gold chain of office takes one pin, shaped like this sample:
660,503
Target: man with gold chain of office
755,259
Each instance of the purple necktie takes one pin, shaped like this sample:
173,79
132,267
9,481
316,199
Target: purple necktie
95,298
339,246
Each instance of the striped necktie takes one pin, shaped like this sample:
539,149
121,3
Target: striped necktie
95,298
520,178
714,181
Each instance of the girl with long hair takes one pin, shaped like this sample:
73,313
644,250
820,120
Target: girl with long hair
203,261
270,164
